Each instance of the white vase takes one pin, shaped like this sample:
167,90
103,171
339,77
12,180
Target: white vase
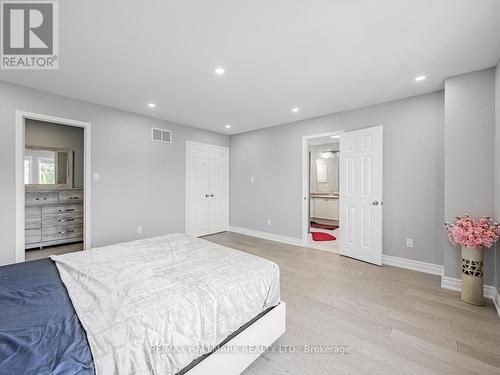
472,276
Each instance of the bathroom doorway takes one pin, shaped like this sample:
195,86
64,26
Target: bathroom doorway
321,219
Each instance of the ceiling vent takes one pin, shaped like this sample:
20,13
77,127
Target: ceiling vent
161,135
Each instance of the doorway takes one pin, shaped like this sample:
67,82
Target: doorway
52,186
359,193
322,221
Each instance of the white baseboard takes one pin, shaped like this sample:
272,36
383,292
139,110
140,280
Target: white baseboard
267,236
489,291
496,301
414,265
456,284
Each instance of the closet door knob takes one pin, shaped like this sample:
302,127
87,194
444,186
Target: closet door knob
375,203
206,195
212,195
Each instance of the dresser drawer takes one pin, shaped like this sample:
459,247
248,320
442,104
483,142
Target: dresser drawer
63,221
32,236
33,212
66,209
69,196
33,223
37,198
55,234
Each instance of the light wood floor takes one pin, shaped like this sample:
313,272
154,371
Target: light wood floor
395,321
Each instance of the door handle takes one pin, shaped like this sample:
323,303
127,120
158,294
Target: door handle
211,195
206,195
375,203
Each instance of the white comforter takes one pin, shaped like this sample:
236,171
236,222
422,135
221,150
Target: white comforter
153,306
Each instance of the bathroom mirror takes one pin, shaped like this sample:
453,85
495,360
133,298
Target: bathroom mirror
48,167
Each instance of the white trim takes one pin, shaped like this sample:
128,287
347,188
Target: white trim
456,284
489,291
267,236
415,265
496,301
261,334
19,176
305,180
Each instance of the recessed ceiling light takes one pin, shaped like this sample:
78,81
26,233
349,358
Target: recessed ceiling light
420,78
151,105
295,109
335,136
219,71
228,126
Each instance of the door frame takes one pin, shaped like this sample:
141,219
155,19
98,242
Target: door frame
188,177
305,179
21,116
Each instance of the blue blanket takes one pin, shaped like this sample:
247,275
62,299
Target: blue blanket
39,330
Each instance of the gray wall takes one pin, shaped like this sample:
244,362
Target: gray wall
497,168
142,182
469,156
413,173
38,133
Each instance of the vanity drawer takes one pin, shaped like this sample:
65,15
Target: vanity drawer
33,212
33,223
66,209
56,234
63,221
32,236
69,196
37,198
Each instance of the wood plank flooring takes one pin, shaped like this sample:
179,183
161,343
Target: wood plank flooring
394,321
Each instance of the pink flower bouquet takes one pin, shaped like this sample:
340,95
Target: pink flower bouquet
472,233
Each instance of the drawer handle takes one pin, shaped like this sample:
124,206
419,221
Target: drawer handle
74,197
66,231
67,210
65,220
41,199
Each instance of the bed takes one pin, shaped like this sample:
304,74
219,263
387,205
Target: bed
164,305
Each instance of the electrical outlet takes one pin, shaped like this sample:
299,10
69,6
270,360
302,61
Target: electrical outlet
139,229
97,177
409,242
252,180
269,222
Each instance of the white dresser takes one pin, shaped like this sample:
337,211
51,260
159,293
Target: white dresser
53,217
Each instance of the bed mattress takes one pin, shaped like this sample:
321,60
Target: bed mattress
154,306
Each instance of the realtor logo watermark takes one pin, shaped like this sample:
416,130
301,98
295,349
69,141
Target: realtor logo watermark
30,35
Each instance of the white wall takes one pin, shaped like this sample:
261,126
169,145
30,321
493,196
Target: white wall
142,182
469,157
413,173
38,133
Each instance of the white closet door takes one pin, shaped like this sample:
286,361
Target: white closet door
361,194
198,184
219,185
207,190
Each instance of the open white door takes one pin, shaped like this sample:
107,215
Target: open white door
361,153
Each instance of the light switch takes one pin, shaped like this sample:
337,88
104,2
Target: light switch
252,180
97,177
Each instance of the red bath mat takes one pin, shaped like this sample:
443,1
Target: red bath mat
323,226
320,236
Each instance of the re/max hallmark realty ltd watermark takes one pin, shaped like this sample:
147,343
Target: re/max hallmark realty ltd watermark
29,35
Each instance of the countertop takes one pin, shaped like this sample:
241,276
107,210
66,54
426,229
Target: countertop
324,195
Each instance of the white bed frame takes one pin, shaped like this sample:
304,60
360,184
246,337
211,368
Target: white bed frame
264,332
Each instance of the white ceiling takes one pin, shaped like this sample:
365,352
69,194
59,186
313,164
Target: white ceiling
322,56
